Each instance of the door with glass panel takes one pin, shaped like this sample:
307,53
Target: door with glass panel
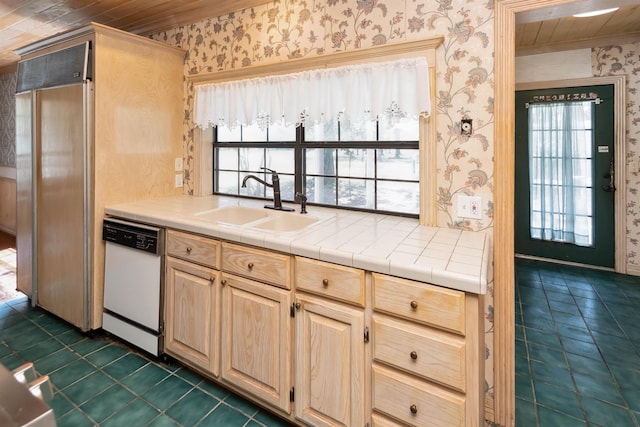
564,201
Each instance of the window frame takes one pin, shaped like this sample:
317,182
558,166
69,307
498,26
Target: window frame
300,173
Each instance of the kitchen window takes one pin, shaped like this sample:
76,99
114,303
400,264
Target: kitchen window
350,136
372,165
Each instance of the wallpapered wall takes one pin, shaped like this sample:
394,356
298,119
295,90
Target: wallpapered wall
616,60
290,29
8,121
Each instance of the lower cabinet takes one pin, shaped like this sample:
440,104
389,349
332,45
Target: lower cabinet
256,339
330,363
192,314
322,344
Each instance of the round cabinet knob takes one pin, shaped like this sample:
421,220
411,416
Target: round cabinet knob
325,282
413,409
189,249
250,266
414,304
414,355
223,282
298,305
212,279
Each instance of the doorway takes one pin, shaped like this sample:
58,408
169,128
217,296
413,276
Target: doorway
504,111
564,179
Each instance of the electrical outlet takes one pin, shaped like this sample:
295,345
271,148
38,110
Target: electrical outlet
470,207
466,127
178,180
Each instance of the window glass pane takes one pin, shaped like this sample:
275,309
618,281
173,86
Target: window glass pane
358,131
229,135
320,161
582,201
402,130
396,163
399,197
251,159
356,162
228,182
321,132
253,133
281,160
321,190
278,132
582,172
287,187
356,193
227,158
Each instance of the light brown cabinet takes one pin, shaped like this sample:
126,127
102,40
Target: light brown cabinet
330,344
330,363
192,314
427,365
256,339
322,344
197,249
265,266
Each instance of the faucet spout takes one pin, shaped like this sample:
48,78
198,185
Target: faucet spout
248,177
275,184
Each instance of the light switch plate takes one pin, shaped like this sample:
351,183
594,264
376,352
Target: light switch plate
178,164
178,180
470,207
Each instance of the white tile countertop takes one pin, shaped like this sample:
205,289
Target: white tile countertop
380,243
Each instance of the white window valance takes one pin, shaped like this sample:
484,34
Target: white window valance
353,93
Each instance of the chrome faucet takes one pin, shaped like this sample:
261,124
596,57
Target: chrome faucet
275,184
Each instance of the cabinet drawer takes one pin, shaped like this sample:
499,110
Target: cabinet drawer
420,350
191,247
259,264
420,302
330,280
378,420
415,402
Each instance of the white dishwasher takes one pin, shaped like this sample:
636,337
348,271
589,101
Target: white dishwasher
133,283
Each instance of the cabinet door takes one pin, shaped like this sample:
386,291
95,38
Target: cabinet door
329,388
192,313
256,336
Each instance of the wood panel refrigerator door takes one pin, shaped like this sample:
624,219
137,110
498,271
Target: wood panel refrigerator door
60,204
24,191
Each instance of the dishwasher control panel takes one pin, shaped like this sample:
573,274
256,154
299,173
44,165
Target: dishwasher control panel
136,236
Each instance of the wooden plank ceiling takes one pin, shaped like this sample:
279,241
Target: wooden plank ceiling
25,21
555,29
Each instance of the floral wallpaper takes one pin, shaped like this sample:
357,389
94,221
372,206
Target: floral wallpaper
8,121
288,29
625,60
